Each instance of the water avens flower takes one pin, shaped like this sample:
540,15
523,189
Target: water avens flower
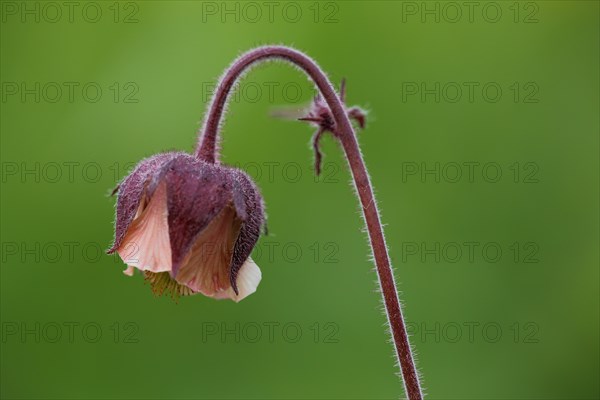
190,226
174,205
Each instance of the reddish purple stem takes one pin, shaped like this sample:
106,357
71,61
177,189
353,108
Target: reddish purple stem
207,150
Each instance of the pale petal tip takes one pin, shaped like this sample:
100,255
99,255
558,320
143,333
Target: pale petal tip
129,270
247,280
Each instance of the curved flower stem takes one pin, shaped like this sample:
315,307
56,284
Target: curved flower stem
207,150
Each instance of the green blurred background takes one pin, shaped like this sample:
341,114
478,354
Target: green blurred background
522,324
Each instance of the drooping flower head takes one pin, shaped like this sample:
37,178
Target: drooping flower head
190,226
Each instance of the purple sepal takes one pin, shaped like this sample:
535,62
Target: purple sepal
248,202
196,193
130,193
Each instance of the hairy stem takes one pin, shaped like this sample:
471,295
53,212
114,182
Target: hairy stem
207,150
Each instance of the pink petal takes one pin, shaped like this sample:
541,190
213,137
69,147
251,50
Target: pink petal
205,269
146,244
